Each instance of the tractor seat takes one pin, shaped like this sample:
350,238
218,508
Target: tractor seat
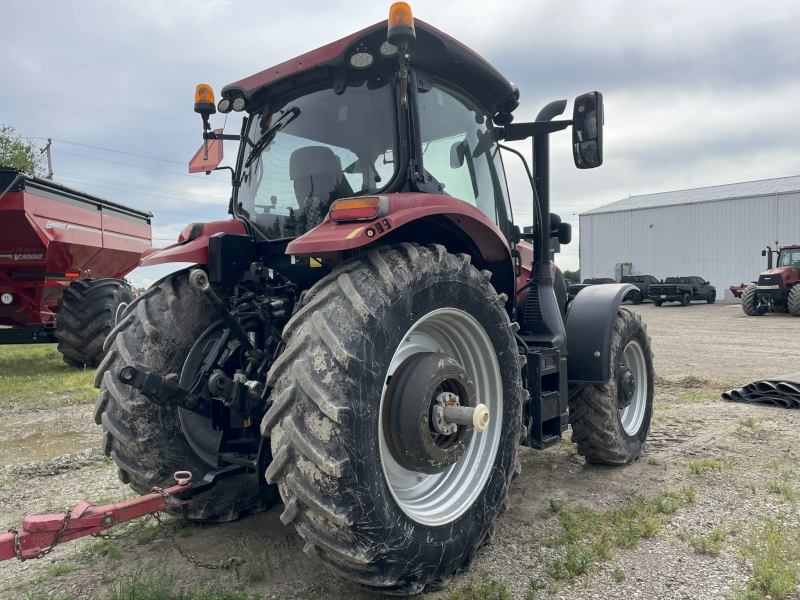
318,180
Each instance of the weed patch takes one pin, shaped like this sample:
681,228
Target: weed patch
774,553
786,491
749,423
618,575
485,589
710,544
698,467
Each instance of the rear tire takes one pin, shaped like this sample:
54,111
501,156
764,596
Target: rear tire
686,299
87,312
793,300
637,298
326,428
606,434
658,302
749,299
146,441
712,297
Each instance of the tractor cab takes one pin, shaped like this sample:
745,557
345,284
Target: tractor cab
360,118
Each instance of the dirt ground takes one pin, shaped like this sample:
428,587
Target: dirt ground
730,472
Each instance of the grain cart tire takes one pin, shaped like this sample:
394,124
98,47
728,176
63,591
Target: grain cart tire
712,297
339,432
637,298
609,425
686,299
749,299
146,441
86,314
793,300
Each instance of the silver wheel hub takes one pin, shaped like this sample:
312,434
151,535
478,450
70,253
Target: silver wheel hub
441,497
633,390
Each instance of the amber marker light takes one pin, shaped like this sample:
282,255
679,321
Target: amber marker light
355,209
204,100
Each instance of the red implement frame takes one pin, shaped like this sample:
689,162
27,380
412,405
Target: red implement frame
41,533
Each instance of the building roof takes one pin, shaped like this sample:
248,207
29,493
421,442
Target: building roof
747,189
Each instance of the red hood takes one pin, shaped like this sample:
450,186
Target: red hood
788,274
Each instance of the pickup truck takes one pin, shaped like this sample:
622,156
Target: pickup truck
683,290
574,289
643,282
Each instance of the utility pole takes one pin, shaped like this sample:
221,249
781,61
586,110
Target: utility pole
49,159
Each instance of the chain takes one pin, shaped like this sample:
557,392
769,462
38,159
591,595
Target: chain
197,563
131,531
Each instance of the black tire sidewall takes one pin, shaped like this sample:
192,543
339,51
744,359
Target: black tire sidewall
422,298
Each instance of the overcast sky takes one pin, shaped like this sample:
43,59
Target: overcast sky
696,93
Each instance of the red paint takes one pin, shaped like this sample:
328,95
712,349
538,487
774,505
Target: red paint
40,531
328,239
195,251
788,274
39,234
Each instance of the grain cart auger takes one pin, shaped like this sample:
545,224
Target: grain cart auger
371,336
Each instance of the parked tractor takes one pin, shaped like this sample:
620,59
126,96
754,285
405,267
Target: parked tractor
371,336
777,288
63,256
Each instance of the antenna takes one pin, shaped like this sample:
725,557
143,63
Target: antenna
49,158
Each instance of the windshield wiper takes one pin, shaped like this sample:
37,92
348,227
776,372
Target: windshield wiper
269,135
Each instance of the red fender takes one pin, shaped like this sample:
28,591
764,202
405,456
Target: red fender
328,239
194,250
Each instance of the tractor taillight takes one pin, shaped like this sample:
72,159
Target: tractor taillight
355,209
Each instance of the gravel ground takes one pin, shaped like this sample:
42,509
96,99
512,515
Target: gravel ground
699,351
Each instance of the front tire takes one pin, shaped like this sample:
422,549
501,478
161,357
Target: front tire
369,521
607,432
793,300
749,299
712,297
637,298
87,312
146,441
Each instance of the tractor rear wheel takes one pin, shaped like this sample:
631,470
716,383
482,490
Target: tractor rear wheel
610,422
382,498
750,304
793,300
86,314
146,441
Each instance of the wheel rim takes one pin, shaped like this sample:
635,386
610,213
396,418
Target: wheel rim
443,497
632,415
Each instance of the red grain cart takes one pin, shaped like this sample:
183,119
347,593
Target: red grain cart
63,254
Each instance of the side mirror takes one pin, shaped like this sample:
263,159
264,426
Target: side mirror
516,234
763,253
198,164
587,130
565,233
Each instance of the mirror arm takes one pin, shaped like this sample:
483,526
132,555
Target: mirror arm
210,135
520,131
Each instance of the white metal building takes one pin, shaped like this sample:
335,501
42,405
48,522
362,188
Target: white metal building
715,232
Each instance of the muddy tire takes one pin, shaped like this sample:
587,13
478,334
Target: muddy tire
326,420
749,299
793,300
605,432
86,314
146,441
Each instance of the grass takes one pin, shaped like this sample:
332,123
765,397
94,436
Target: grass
785,491
37,376
485,589
257,558
698,467
774,553
618,575
749,423
703,395
591,536
61,569
710,544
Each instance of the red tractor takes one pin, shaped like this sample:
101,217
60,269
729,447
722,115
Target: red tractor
371,336
777,288
63,254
